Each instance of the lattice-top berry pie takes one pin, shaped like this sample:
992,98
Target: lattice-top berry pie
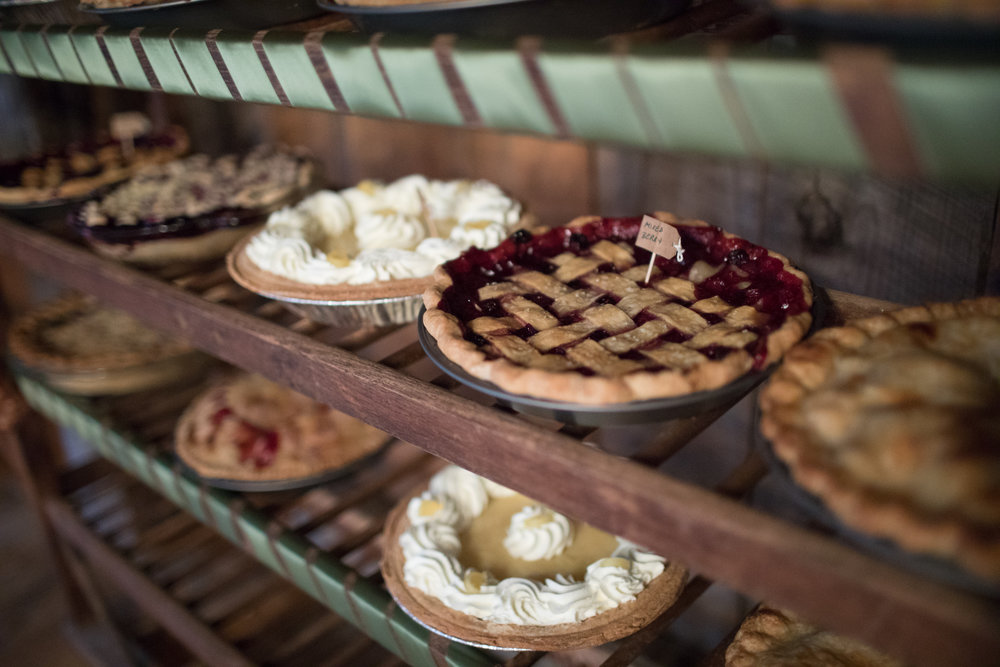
567,314
251,429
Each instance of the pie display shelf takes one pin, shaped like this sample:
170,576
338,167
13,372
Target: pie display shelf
505,19
361,370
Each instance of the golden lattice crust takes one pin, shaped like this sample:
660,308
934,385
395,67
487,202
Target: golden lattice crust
775,638
310,438
893,422
616,366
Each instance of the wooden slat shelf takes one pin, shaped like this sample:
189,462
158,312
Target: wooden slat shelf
184,573
718,536
859,108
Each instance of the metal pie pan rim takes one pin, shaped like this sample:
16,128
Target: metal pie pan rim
441,633
583,414
934,567
268,485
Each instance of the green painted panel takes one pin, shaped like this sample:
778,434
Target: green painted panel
38,51
65,55
92,57
19,58
954,114
330,575
166,66
500,89
245,67
413,70
127,63
591,96
682,96
794,112
295,71
197,60
358,76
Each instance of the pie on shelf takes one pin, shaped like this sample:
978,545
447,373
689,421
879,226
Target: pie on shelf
82,168
82,347
251,429
566,314
893,423
771,637
194,209
372,241
480,563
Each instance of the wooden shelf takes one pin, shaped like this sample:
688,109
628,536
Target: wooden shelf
383,378
856,107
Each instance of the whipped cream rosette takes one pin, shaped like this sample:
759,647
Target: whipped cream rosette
480,563
371,242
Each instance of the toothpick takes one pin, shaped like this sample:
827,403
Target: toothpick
649,271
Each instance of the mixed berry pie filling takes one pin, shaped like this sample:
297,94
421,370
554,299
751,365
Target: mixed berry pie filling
257,445
735,270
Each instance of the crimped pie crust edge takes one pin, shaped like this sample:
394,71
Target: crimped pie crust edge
806,367
573,387
613,624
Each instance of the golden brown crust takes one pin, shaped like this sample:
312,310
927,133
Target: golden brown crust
81,186
772,637
573,387
613,624
76,333
249,275
891,421
312,439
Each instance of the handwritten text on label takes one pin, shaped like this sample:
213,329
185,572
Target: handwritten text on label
658,237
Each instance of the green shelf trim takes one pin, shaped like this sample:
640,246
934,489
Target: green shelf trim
783,107
367,606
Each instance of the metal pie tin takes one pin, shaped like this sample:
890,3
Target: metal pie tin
377,312
614,414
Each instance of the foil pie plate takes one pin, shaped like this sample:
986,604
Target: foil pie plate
582,414
270,485
814,508
188,367
377,312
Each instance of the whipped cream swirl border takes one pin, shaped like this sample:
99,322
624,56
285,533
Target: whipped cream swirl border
431,547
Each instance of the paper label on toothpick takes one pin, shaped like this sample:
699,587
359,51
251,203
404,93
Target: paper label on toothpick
658,237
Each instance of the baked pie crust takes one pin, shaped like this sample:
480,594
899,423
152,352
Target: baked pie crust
892,422
251,429
772,637
620,621
80,170
192,210
566,315
82,347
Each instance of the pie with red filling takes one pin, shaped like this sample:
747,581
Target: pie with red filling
251,429
892,422
567,314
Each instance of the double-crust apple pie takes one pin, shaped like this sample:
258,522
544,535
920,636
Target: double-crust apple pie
893,422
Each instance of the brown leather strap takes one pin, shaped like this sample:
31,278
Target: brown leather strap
220,63
314,49
102,45
265,62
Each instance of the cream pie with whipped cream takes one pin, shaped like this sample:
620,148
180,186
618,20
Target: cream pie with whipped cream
372,241
481,563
